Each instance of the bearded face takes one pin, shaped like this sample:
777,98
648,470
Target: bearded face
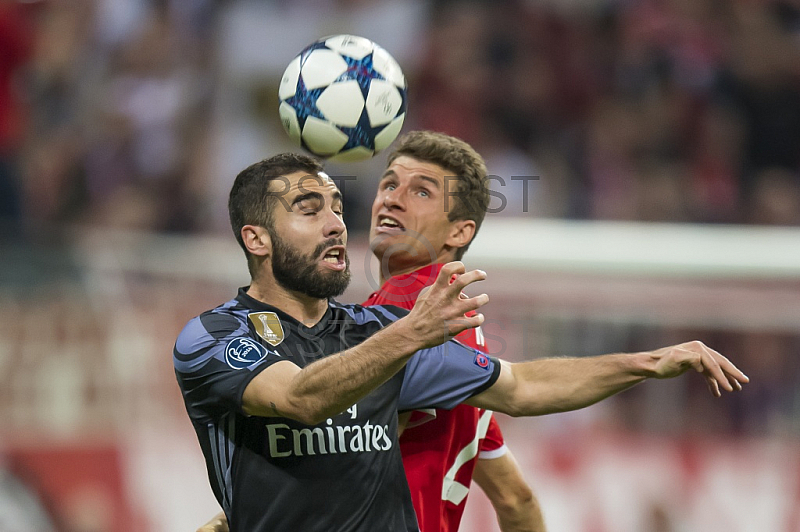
301,273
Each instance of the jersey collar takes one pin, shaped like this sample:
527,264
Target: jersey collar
255,305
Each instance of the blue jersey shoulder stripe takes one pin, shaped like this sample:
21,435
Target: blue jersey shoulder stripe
362,315
385,310
221,324
194,346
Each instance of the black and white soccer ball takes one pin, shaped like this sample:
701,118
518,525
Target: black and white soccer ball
343,98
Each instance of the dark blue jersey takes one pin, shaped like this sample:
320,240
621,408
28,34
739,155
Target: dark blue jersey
276,474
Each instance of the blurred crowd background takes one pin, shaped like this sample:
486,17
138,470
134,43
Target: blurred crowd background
135,115
112,111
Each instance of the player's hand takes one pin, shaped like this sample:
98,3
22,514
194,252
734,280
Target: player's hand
218,524
439,313
717,370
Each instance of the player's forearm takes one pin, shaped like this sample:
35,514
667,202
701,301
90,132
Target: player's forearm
559,385
546,386
333,384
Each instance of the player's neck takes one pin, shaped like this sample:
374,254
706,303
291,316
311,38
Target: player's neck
305,309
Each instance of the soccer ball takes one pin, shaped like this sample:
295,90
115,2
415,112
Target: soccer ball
343,98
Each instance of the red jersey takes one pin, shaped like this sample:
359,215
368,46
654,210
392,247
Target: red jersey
440,456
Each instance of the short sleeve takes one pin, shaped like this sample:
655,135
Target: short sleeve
492,445
445,376
215,359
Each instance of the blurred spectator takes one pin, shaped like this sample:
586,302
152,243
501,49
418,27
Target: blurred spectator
15,42
117,112
775,198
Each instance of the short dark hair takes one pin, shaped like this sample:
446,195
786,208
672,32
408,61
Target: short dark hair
463,162
252,202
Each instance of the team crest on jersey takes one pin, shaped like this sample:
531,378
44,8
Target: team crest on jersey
243,352
481,360
268,326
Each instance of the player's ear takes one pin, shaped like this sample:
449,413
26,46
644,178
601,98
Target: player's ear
461,233
257,240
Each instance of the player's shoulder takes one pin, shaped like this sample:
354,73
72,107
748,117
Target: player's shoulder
384,314
414,282
212,326
403,290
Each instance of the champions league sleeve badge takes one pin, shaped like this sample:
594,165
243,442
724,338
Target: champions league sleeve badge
481,360
241,353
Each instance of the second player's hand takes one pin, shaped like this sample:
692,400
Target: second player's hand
718,371
438,314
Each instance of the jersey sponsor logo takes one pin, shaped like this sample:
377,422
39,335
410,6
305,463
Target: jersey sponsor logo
268,326
481,360
243,352
285,441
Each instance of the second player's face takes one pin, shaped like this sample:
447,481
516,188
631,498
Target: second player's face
409,226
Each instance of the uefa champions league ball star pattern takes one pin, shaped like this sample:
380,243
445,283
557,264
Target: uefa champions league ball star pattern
343,98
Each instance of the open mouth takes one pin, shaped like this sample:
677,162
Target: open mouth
332,256
335,257
389,223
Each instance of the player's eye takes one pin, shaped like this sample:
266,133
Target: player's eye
424,193
310,205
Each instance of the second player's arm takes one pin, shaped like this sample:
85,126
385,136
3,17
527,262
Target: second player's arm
546,386
514,502
330,385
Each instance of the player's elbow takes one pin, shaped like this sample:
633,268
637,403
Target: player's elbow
514,403
516,502
314,417
535,400
308,412
511,394
306,418
514,409
303,409
532,408
523,497
311,409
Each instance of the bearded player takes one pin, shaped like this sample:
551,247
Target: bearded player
412,235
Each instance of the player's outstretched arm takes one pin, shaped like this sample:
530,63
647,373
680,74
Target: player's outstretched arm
332,384
513,500
545,386
219,523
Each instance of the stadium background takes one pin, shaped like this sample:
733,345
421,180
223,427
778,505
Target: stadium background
664,134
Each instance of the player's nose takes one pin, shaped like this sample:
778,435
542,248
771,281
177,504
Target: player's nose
334,225
393,199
